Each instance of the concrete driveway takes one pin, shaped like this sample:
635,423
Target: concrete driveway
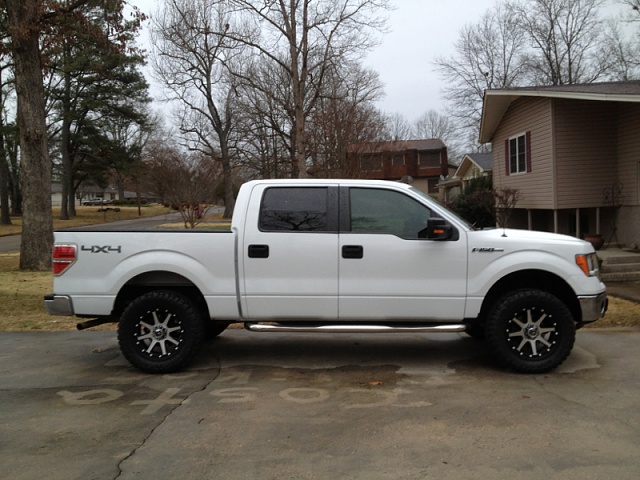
296,406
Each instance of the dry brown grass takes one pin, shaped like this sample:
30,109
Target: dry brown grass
621,313
21,297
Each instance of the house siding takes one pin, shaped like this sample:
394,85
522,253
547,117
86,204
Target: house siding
628,144
629,174
586,151
536,187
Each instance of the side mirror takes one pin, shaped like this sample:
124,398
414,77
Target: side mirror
437,229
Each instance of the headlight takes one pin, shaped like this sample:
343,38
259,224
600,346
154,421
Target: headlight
588,264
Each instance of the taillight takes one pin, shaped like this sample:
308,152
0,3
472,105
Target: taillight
63,257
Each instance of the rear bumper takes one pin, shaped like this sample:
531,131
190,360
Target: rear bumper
593,306
58,304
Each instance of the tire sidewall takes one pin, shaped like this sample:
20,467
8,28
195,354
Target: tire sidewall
540,302
190,336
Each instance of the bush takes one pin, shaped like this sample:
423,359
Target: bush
476,204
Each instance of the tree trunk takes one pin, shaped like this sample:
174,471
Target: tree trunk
65,134
227,178
5,214
37,226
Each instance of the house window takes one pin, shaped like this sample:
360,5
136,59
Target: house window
518,154
429,159
398,159
371,162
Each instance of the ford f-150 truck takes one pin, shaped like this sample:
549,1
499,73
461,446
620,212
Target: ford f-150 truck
331,256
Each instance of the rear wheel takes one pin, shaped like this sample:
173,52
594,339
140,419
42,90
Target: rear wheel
161,331
530,331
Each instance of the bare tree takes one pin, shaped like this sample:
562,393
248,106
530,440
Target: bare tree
5,172
264,133
505,201
489,54
567,38
433,124
185,182
344,115
190,48
304,40
633,5
624,52
398,127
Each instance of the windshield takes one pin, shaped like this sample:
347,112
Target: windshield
429,198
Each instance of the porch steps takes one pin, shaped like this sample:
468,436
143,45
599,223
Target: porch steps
619,265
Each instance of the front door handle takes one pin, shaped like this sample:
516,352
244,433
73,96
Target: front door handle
258,251
352,251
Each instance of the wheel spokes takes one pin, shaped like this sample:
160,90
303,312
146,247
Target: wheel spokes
534,337
157,336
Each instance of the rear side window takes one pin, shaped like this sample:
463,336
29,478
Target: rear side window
294,209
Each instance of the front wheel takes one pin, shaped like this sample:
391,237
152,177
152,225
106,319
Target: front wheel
161,331
530,331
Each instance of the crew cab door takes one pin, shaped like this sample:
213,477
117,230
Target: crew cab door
387,271
289,253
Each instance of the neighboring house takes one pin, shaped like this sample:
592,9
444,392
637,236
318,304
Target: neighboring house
573,153
425,161
83,194
473,165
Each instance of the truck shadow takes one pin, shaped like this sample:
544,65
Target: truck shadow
298,350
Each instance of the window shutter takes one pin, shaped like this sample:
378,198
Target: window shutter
528,146
506,157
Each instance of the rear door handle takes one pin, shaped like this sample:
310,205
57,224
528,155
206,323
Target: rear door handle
352,251
258,251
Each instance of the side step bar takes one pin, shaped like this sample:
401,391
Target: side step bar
364,328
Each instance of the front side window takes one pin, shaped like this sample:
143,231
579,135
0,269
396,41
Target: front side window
299,209
386,212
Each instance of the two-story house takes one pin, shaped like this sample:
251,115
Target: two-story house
424,161
573,152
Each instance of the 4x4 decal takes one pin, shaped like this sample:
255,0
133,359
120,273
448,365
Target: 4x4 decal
101,249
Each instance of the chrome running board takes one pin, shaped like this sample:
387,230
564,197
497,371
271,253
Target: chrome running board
299,327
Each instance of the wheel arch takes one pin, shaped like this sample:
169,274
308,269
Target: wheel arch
537,279
157,280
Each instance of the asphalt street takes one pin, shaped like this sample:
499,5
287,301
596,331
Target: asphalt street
298,406
12,242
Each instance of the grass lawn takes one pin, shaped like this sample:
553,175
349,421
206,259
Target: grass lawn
21,297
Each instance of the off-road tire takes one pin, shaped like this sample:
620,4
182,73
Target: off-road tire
530,331
161,331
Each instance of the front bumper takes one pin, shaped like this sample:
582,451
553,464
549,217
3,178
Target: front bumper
593,306
58,304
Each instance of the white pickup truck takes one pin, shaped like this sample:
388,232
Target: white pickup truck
331,256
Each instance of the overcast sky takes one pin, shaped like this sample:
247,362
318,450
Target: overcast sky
419,31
